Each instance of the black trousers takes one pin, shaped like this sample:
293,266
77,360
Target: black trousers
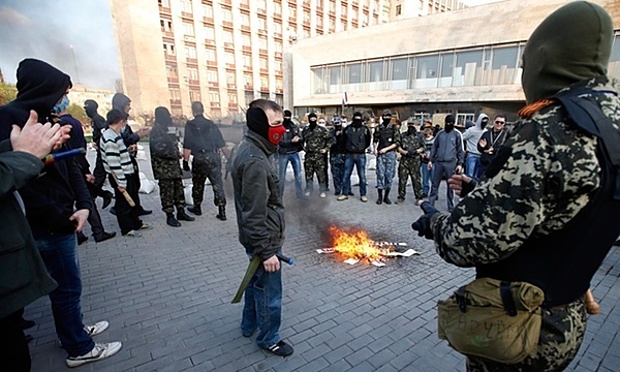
99,174
126,215
13,345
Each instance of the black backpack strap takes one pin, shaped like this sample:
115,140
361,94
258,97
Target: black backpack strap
588,116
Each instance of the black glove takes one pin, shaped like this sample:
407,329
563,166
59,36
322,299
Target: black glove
467,187
423,224
186,166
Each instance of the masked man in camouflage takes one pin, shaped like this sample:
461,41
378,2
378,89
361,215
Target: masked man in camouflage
316,142
387,140
165,156
410,149
204,141
547,212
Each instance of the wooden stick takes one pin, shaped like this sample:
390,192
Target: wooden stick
592,307
125,193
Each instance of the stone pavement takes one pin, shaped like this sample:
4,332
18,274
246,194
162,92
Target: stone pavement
167,297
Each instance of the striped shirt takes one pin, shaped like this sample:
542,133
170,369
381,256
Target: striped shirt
115,156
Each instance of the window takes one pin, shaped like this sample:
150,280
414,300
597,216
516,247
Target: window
399,69
399,10
169,49
248,80
232,97
278,46
194,95
166,25
264,82
306,16
615,50
505,57
231,80
210,54
210,33
229,58
245,19
277,8
264,63
227,15
175,94
186,6
247,61
188,28
318,80
246,40
164,3
227,37
277,28
427,67
262,23
192,73
190,52
277,66
332,6
473,58
447,64
214,98
171,71
212,76
375,71
355,73
262,43
207,10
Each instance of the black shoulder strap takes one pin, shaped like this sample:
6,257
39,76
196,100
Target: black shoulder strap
588,116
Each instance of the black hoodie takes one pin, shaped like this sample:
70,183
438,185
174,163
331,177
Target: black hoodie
98,122
51,198
119,101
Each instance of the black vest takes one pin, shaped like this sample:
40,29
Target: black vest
563,263
356,139
385,134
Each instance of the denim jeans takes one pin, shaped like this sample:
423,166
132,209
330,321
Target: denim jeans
472,165
359,160
442,170
427,176
263,307
60,255
283,160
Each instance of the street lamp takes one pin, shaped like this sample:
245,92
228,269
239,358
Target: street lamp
77,74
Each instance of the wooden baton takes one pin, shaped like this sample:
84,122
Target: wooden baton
125,193
592,307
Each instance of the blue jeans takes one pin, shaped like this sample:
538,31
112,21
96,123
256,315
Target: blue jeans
472,165
427,176
263,307
60,255
359,160
283,160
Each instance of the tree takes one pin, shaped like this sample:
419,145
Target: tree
8,92
78,112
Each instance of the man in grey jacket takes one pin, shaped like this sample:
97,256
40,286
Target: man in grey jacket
260,217
446,159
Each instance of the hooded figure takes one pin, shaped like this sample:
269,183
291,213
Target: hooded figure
550,190
470,139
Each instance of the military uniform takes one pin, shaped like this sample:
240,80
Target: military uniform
205,140
315,138
166,168
409,165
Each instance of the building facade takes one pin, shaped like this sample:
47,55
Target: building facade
226,53
461,62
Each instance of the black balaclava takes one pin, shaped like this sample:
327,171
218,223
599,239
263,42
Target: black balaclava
287,118
570,45
386,117
312,120
337,123
40,86
119,101
91,106
259,123
162,117
411,129
449,123
357,119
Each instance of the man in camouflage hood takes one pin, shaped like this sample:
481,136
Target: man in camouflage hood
547,213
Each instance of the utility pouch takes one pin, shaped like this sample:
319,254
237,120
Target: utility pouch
492,319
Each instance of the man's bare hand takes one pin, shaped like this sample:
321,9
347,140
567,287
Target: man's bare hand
90,178
36,139
272,264
295,139
456,182
80,217
121,189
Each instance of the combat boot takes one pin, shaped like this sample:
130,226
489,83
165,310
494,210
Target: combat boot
182,216
222,213
170,220
380,199
386,198
195,210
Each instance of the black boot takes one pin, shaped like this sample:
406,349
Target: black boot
222,213
386,198
195,210
380,199
170,220
182,216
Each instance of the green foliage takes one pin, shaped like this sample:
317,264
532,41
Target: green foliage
8,92
78,112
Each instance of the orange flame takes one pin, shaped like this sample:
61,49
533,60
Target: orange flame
355,244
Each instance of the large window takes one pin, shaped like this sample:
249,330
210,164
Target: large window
467,63
375,70
398,73
334,79
355,73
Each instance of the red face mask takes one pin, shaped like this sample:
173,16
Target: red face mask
275,134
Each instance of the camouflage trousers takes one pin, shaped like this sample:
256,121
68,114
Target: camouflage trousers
207,166
409,168
315,163
386,167
171,194
561,335
337,165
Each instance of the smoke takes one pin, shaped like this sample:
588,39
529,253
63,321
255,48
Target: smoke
77,39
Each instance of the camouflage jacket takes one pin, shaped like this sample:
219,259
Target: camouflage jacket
547,171
316,139
165,151
413,144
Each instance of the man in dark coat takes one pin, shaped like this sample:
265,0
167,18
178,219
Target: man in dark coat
98,125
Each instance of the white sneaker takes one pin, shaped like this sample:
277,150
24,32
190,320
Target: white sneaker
96,328
323,195
307,193
99,352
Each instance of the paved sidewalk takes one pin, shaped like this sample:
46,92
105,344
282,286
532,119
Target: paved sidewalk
167,296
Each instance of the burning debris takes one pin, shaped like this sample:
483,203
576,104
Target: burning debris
355,245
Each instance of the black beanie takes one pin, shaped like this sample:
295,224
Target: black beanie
449,119
258,122
311,115
287,114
